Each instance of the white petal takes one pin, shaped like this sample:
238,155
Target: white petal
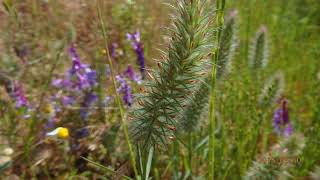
54,132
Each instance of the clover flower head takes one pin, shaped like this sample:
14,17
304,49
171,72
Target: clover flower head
281,121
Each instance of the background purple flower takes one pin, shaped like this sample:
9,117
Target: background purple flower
115,51
125,90
89,99
78,77
19,96
67,100
132,75
82,133
281,121
138,47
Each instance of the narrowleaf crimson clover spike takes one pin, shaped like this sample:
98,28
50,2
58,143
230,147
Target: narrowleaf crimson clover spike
281,121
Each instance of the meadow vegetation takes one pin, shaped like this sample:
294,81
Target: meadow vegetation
159,89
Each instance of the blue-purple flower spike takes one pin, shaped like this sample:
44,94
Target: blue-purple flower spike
132,75
281,121
138,47
82,133
78,77
125,90
115,50
19,96
89,99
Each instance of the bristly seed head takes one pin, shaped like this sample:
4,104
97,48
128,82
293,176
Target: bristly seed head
172,128
176,77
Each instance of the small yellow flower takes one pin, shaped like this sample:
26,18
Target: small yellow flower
48,109
104,51
60,132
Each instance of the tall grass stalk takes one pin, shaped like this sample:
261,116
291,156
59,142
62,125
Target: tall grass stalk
168,90
118,100
220,4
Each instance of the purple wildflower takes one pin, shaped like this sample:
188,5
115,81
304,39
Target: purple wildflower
68,100
125,89
115,51
57,83
91,77
51,123
84,75
132,75
19,96
138,47
281,121
89,99
54,100
82,133
79,76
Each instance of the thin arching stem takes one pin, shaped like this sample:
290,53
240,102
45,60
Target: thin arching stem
118,100
220,4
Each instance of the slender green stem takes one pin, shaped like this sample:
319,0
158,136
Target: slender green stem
176,159
190,155
219,23
118,100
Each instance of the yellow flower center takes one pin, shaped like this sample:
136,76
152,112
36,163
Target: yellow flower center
48,109
63,133
103,52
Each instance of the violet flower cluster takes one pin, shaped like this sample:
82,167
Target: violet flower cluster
132,75
78,77
78,81
281,121
138,47
19,96
115,51
89,99
125,89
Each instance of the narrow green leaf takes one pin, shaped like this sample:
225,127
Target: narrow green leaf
149,163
